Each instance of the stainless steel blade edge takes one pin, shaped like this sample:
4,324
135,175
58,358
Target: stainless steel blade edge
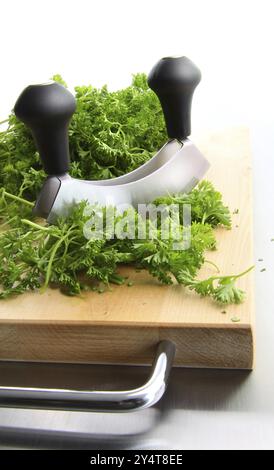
168,172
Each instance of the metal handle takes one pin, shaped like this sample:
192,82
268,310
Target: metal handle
105,401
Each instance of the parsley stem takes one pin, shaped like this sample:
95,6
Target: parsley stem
204,218
8,222
17,198
213,264
244,272
34,225
52,256
115,278
233,276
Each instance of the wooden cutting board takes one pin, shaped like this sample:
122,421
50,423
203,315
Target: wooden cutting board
124,325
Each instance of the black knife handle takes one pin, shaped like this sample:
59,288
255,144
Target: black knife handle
47,109
174,80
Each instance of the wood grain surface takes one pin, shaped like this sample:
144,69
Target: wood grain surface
125,324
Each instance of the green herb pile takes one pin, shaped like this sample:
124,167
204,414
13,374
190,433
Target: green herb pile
35,254
110,134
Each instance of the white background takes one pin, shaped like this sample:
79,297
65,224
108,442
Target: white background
104,41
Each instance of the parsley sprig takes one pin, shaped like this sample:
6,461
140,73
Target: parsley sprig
220,288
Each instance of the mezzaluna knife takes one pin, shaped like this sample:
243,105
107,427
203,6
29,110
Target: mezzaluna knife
177,167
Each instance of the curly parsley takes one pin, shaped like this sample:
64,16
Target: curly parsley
35,254
111,133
